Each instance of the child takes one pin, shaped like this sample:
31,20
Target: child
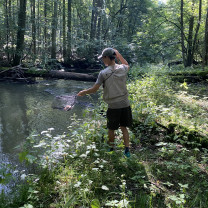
115,94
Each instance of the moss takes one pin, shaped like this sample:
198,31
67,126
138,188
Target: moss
36,72
189,73
4,68
191,137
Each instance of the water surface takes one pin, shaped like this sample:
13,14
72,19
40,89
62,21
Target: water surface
28,108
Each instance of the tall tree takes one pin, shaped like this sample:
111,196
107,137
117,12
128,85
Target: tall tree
20,32
64,30
182,35
93,20
33,28
206,40
100,6
45,25
8,29
69,30
192,41
54,28
197,27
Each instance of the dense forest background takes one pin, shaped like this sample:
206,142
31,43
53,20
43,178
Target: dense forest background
37,32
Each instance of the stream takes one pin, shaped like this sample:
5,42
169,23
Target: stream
25,109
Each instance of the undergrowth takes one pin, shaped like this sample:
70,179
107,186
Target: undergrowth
165,169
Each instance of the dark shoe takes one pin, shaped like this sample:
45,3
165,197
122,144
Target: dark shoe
111,149
127,154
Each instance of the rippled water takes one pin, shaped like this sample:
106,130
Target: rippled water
28,108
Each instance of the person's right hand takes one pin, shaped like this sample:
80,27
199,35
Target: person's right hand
81,93
68,107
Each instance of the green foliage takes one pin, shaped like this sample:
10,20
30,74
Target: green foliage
167,167
156,98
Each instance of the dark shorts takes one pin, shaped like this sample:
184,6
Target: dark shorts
119,117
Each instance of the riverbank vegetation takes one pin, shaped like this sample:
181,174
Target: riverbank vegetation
168,163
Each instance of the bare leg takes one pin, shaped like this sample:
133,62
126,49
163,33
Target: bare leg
125,135
111,136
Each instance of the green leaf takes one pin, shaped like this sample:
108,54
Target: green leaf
95,203
30,158
70,201
22,156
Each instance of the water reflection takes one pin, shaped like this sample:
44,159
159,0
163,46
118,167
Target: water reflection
28,108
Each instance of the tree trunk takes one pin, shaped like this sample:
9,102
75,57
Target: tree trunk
33,29
190,43
69,31
182,35
64,30
45,26
206,41
20,32
12,17
197,29
92,30
120,19
38,29
100,6
54,28
7,30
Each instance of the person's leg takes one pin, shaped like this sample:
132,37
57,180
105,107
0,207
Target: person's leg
112,125
111,137
125,135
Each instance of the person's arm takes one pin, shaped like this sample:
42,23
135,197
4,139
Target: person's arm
121,58
84,92
89,91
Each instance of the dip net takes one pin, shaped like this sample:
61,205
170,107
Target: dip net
61,101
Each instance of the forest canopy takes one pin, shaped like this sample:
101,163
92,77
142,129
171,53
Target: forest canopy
145,31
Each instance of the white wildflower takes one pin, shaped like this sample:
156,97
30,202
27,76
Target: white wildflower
87,152
96,169
23,176
40,144
83,156
86,190
96,161
112,203
123,203
48,135
77,184
58,182
96,154
105,188
50,129
44,132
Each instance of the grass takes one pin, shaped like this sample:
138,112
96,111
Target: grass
166,168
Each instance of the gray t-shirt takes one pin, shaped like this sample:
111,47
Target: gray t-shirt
113,79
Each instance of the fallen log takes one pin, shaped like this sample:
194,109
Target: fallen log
18,72
70,75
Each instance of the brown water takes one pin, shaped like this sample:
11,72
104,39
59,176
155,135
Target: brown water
28,108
